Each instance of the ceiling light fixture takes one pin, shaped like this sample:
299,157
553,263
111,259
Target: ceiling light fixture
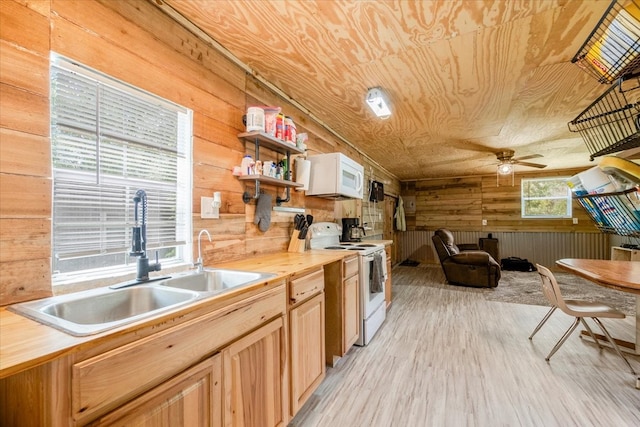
505,168
378,103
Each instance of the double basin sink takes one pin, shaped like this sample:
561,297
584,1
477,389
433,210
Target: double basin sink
98,310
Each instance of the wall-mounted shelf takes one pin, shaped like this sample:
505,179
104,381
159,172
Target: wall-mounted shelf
614,213
267,141
269,180
612,50
612,122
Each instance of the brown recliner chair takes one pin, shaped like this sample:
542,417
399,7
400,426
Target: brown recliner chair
465,264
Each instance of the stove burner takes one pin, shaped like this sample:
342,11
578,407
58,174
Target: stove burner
335,247
367,245
357,248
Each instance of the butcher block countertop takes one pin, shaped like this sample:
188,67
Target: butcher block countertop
25,343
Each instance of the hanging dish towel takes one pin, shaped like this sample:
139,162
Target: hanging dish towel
401,223
263,212
377,274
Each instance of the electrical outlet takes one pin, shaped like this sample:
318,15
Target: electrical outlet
575,220
484,222
206,208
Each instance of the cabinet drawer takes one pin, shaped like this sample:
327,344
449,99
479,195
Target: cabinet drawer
306,286
350,267
105,381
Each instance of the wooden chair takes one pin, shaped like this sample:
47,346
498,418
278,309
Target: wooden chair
579,309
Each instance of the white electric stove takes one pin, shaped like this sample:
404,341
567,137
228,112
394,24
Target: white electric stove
326,236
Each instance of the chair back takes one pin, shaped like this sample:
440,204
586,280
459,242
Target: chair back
443,242
550,287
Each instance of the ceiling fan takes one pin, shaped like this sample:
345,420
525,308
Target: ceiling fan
506,161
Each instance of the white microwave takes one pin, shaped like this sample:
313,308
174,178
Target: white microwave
335,176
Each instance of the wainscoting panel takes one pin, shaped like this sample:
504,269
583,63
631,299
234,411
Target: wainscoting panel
541,248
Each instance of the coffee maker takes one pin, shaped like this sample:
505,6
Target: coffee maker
351,230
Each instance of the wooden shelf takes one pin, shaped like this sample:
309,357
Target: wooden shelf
268,141
270,180
261,139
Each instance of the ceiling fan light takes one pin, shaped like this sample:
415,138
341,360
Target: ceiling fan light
378,103
505,168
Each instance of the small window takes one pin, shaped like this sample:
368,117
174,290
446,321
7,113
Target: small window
546,198
109,140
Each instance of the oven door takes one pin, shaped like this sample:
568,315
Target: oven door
371,298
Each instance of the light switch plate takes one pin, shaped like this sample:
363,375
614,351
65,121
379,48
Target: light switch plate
207,210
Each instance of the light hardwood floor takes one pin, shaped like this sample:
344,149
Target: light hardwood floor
445,357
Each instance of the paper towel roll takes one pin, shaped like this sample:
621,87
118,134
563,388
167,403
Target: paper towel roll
303,172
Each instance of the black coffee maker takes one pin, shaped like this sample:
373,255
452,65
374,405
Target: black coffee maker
351,230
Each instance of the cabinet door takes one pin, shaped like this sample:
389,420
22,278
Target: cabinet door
307,350
191,399
351,315
255,386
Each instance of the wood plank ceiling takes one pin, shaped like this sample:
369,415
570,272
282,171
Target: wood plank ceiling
466,79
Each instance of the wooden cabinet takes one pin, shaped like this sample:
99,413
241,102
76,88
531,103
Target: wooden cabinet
191,399
224,366
351,307
255,386
342,309
307,350
307,337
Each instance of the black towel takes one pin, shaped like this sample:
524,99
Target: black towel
377,275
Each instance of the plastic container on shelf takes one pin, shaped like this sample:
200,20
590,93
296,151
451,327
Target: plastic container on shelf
246,165
576,186
595,181
270,114
255,119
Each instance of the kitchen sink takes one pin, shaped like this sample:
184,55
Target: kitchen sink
98,310
214,280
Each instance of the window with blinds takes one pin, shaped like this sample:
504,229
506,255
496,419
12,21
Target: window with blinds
546,198
108,140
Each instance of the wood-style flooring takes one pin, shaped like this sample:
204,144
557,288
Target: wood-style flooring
445,357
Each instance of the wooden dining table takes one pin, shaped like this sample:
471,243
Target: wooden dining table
619,275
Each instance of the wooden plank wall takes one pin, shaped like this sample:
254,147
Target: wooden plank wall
135,42
460,204
25,171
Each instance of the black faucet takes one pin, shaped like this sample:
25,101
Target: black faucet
139,238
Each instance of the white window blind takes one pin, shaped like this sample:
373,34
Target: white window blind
109,140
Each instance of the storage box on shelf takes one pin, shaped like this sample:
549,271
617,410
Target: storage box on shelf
612,50
612,122
624,254
267,141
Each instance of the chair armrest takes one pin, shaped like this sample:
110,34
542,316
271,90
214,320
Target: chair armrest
468,247
472,257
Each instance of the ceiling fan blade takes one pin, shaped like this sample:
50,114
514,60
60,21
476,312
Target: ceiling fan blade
530,156
532,165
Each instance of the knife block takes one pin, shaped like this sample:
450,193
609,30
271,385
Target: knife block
296,244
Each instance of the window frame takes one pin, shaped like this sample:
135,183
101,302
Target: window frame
523,199
183,183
